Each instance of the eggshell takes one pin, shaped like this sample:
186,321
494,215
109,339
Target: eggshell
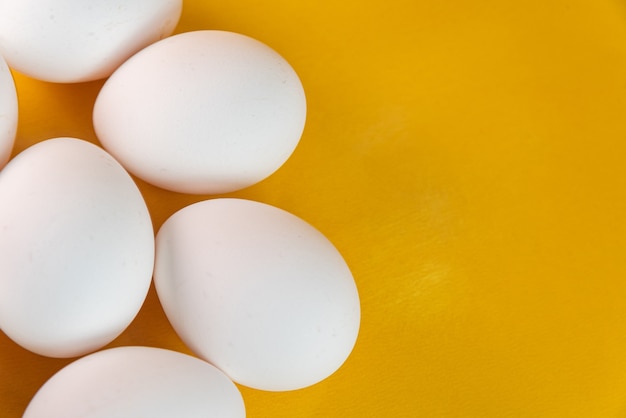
137,382
76,248
8,112
202,112
69,41
257,292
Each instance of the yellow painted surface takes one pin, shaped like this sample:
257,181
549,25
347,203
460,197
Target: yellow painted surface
467,158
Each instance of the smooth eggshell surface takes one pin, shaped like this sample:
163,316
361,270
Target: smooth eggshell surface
70,41
8,112
137,382
76,248
257,292
202,112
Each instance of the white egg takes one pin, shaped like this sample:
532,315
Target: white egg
137,382
258,292
8,112
76,248
202,112
71,41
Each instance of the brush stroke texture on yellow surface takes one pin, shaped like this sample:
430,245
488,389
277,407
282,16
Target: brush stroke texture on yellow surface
467,158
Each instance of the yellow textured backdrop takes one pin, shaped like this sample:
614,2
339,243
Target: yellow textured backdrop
467,158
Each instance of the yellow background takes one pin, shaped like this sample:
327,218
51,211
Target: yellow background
467,158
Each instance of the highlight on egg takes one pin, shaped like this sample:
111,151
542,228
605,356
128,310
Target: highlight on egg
70,41
137,382
202,112
76,248
258,292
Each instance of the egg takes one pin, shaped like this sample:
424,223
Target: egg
137,382
70,41
202,112
8,112
258,292
76,248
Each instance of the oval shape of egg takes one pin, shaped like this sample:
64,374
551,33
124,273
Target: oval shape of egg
137,382
202,112
69,41
76,248
8,112
257,292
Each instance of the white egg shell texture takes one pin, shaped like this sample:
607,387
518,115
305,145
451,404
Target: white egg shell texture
202,112
70,41
137,382
258,292
8,112
76,248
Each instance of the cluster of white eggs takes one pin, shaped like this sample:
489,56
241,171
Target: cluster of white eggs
259,296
